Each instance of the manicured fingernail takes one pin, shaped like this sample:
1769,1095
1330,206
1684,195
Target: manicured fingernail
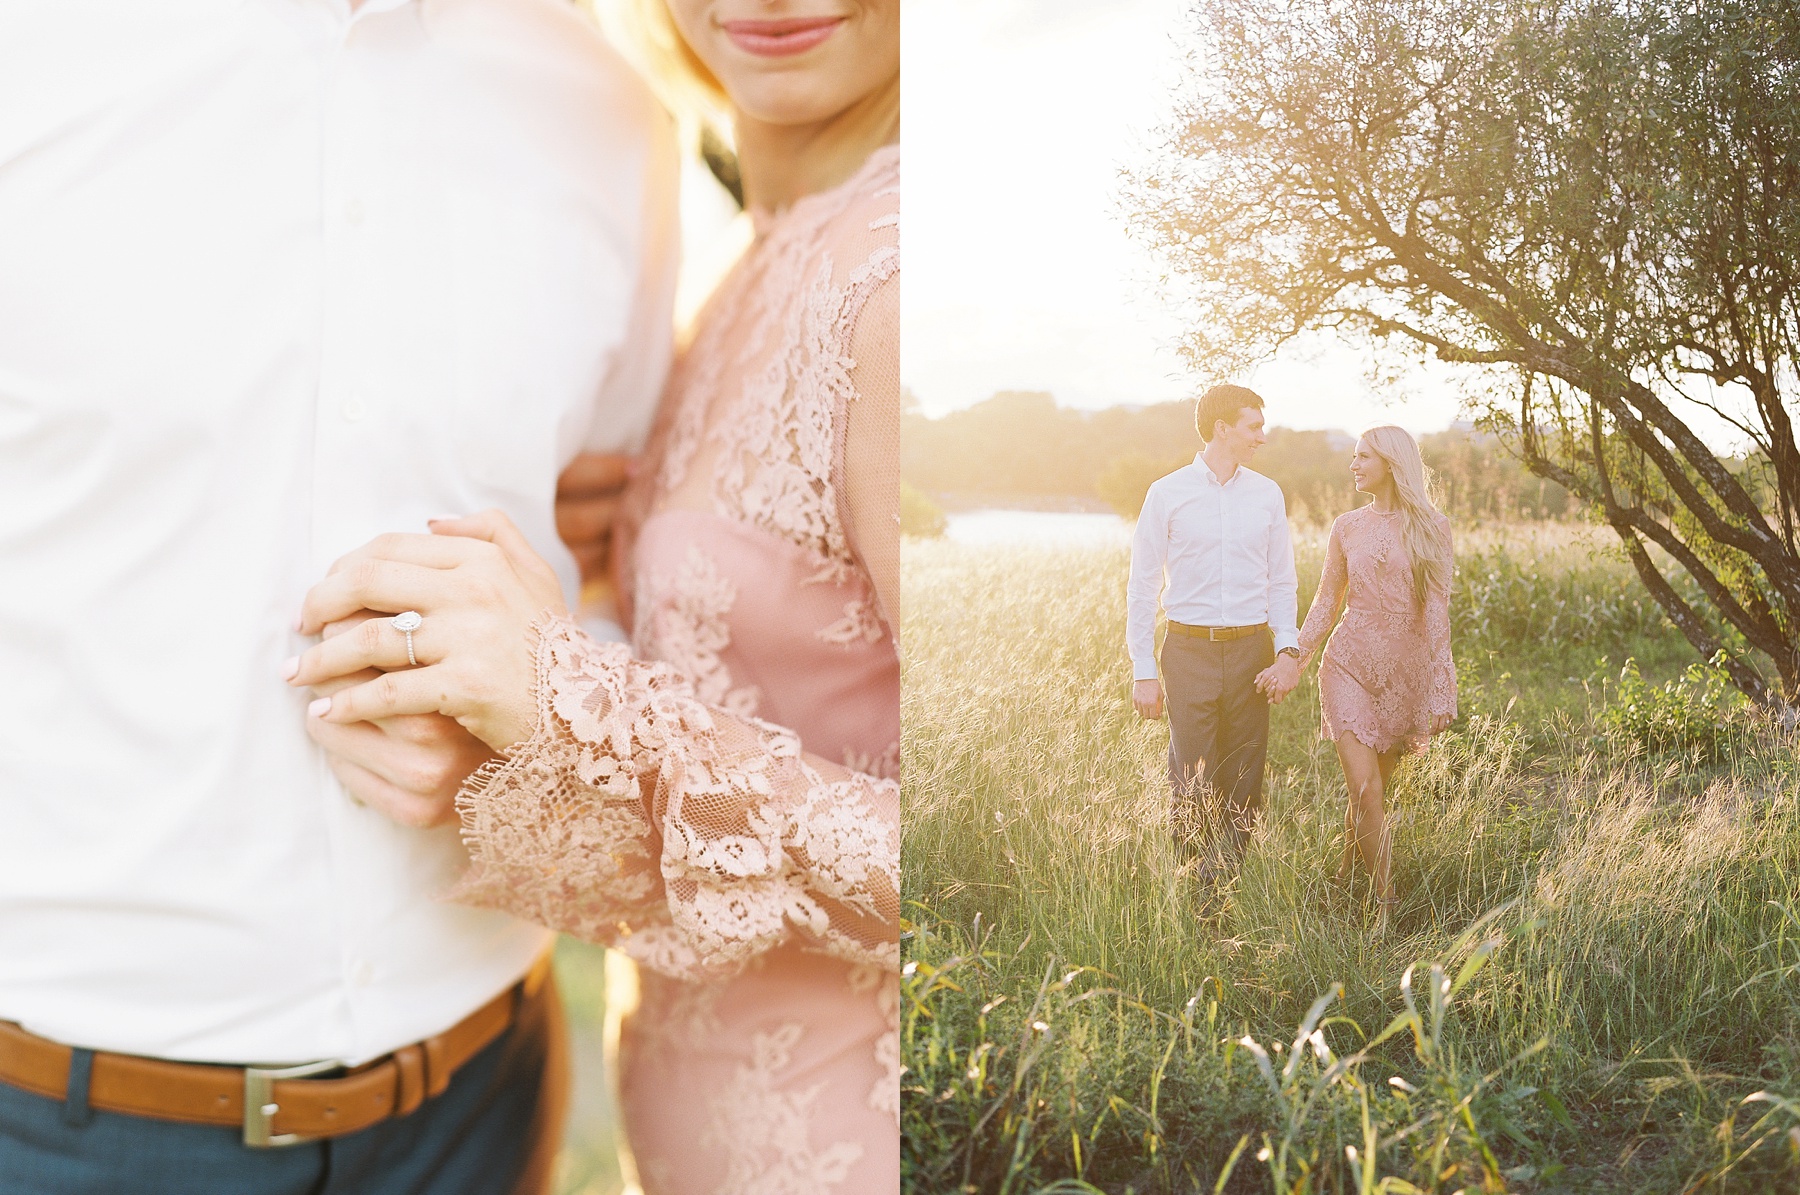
290,667
319,708
442,519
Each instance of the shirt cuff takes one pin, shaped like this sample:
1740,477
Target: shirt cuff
1288,638
1144,670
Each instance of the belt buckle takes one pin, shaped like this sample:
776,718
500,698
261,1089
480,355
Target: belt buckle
260,1106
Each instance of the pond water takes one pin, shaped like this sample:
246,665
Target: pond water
1038,529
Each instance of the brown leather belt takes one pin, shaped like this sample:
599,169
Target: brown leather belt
275,1105
1216,634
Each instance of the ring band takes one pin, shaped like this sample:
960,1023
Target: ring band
406,622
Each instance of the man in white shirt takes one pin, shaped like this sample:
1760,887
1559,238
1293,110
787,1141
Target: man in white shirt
1212,544
277,276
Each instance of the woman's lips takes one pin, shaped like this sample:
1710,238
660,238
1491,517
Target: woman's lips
778,39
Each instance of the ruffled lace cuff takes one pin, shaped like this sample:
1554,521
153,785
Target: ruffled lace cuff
1442,699
639,817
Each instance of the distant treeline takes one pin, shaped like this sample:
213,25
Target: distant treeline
1020,448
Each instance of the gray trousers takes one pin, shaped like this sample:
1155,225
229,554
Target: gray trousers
1218,737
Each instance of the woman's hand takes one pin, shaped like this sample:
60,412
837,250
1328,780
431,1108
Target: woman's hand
1441,722
1279,679
478,587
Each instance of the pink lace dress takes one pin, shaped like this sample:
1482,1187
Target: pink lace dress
721,805
1387,668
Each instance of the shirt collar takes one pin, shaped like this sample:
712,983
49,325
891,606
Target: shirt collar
1211,477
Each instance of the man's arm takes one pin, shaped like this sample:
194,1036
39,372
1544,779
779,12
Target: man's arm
640,364
588,492
1149,554
1281,677
1284,582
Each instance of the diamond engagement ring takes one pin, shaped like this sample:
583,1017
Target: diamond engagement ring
406,622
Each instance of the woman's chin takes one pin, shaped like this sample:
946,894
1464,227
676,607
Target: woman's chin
787,99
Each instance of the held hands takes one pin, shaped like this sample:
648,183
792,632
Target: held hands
1147,699
1279,679
478,586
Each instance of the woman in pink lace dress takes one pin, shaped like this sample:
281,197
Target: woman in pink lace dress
1387,681
719,804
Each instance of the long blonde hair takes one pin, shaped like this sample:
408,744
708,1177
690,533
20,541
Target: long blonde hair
1427,547
645,32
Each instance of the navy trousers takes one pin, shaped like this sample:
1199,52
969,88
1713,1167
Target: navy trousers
474,1139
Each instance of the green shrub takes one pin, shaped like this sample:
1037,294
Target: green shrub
919,515
1698,715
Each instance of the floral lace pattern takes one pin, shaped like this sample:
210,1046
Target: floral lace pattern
861,623
777,441
688,618
763,1125
639,817
752,869
1387,669
884,1095
885,764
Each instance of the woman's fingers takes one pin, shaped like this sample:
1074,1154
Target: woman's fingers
373,644
378,793
412,691
372,583
494,527
426,551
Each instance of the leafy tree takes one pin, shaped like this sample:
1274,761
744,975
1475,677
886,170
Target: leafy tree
1597,199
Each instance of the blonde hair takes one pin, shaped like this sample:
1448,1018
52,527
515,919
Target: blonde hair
1427,547
645,32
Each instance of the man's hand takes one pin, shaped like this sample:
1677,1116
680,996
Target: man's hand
1147,699
407,768
587,505
1279,679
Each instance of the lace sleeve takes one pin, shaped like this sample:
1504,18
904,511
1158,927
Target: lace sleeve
1437,631
1328,599
639,817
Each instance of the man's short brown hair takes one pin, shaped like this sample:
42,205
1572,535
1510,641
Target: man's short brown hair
1223,403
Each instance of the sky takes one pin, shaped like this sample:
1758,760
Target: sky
1018,116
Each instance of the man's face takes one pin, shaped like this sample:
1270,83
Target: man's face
1244,437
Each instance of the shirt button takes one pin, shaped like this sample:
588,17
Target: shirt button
352,410
353,213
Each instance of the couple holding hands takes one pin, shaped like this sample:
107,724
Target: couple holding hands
1212,543
283,281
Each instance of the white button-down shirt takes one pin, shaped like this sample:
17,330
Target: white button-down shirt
1218,554
276,277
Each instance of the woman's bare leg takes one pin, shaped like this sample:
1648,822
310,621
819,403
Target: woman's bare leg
1349,857
1365,778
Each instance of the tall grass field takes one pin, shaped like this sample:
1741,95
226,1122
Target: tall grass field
1592,983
